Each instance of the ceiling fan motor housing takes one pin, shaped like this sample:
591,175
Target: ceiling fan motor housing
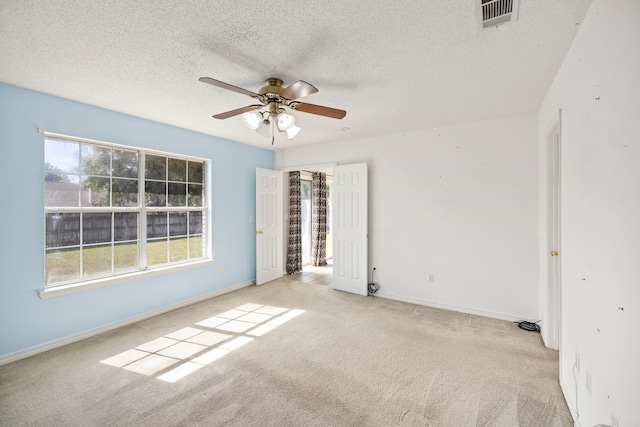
272,88
271,95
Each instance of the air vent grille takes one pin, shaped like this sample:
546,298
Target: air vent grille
495,8
495,12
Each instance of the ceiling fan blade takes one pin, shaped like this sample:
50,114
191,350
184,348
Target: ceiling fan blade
227,86
297,90
319,110
236,112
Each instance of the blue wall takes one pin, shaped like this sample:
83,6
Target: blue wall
26,320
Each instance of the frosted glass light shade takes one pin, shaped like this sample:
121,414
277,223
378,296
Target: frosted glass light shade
252,120
285,121
264,129
292,132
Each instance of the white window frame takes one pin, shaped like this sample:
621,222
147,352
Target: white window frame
143,270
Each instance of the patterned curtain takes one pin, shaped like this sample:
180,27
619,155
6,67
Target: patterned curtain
319,219
294,248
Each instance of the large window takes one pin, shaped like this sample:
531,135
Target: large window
111,210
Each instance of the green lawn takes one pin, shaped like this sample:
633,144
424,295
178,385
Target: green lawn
63,265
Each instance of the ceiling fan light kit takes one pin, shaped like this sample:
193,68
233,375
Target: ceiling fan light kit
270,117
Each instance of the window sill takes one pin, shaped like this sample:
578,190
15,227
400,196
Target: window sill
107,281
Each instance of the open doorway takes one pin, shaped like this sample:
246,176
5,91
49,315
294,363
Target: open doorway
347,222
315,272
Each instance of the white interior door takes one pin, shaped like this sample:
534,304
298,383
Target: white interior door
553,238
268,225
349,228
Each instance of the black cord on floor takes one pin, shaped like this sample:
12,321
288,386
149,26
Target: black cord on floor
529,326
372,287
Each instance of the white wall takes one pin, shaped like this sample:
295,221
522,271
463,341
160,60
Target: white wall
459,202
598,90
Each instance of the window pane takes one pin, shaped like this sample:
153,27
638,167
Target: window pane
195,195
61,156
178,249
125,163
96,228
195,222
61,190
305,219
125,192
62,229
196,247
62,265
155,193
177,170
95,192
125,226
95,160
156,224
155,167
177,194
305,189
177,223
125,257
196,174
156,252
96,261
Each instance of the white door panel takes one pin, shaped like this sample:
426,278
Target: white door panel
554,284
268,225
349,222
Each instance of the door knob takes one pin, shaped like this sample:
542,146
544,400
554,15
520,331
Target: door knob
554,253
259,232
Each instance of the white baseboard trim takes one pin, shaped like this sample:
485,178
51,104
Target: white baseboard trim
451,307
12,357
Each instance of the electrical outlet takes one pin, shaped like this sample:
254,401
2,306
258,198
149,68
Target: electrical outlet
432,278
577,361
252,218
220,269
588,381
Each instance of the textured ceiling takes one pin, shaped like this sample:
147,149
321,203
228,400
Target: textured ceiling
394,66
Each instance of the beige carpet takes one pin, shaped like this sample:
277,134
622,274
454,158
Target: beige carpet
293,354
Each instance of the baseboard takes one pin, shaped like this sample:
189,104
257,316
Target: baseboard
543,334
451,307
12,357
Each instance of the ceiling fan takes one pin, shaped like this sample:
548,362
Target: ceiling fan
273,97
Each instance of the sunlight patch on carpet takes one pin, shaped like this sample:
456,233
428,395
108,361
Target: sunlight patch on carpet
180,353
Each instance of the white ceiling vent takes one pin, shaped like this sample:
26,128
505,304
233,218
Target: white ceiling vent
495,12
